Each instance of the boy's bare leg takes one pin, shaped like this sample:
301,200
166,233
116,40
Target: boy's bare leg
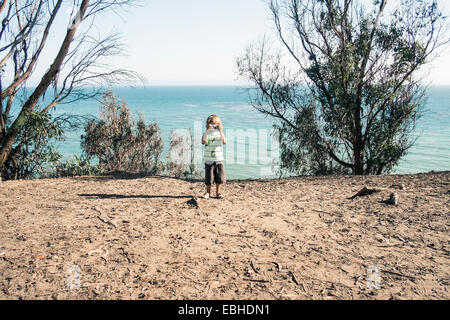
207,194
217,189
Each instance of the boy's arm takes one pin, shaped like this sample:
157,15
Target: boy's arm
224,140
204,137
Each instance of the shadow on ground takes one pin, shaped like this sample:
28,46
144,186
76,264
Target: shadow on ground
121,196
122,175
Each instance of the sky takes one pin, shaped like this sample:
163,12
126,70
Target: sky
192,42
196,42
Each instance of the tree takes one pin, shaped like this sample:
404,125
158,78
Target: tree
35,156
77,72
119,143
352,101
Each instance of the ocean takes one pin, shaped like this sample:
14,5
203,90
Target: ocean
251,152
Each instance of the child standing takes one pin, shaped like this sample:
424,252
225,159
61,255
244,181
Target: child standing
214,139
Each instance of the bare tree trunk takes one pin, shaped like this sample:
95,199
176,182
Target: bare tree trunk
358,146
48,77
358,167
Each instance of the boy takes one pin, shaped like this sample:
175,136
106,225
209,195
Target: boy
213,139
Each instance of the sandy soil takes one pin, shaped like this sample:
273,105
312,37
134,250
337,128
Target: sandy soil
132,237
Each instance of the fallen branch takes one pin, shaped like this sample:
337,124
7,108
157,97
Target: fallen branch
127,255
330,213
255,280
100,251
235,235
399,274
94,285
293,277
364,192
48,265
107,221
253,267
7,260
304,287
277,265
321,211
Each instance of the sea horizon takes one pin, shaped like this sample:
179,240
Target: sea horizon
187,106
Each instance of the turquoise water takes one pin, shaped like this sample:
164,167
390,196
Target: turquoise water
187,107
432,149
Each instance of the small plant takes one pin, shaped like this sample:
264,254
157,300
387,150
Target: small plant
181,154
76,166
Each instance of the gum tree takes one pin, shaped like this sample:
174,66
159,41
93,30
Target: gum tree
349,90
78,69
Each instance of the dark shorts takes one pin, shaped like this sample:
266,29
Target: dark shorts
214,172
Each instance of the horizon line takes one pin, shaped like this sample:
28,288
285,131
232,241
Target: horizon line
198,85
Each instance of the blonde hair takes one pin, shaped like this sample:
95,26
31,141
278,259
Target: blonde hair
213,119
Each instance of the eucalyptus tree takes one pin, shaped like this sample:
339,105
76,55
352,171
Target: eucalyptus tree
78,69
347,85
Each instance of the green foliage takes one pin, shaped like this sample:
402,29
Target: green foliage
353,102
33,154
120,143
76,166
301,152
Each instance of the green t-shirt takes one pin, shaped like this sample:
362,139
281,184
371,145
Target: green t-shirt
213,147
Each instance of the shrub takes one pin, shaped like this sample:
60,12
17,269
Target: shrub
121,144
77,166
181,154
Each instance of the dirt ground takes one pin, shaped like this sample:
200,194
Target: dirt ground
128,237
